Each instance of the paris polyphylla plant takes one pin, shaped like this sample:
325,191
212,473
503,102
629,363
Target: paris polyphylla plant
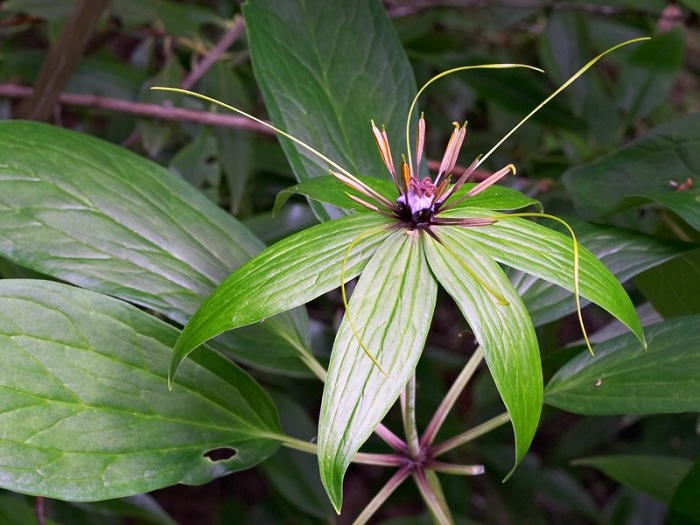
402,247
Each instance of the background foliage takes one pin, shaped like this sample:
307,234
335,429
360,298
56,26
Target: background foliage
609,154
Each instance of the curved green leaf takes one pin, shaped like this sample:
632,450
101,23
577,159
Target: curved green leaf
323,82
624,252
685,505
86,413
642,172
390,312
90,213
623,378
504,331
657,476
286,275
548,254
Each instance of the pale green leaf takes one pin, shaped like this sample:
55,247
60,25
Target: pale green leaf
389,315
86,413
505,332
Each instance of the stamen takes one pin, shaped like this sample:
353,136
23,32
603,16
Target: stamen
382,142
457,185
420,143
405,175
493,179
452,150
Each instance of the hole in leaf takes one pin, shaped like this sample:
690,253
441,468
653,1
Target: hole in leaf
220,454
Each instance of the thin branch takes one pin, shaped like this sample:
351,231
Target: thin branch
165,112
378,500
469,435
235,30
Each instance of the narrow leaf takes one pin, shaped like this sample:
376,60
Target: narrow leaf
623,378
325,84
288,274
86,413
549,255
504,331
625,253
90,213
389,316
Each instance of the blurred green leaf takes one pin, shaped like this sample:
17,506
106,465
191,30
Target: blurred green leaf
323,81
685,504
674,287
100,217
648,72
197,163
388,317
174,18
625,378
642,172
657,476
86,411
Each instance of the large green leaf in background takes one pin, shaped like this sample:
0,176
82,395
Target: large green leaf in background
657,476
624,378
323,78
85,411
95,215
642,173
674,287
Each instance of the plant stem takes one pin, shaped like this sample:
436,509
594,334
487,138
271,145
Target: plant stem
382,495
449,468
429,487
448,402
408,405
469,435
384,460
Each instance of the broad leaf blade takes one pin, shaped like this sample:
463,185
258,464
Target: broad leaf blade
657,476
87,212
390,310
685,505
549,255
322,81
504,331
623,378
643,172
86,413
625,253
673,288
288,274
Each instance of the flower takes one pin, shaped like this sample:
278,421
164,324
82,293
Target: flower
420,201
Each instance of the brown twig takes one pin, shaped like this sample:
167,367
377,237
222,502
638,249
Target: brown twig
144,110
234,31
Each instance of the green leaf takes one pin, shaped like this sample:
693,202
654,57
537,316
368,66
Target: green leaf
657,476
643,172
286,275
673,288
505,332
86,413
322,81
87,212
649,71
390,313
685,505
623,378
625,253
547,254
